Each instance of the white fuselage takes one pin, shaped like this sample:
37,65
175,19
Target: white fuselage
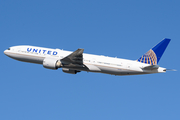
94,63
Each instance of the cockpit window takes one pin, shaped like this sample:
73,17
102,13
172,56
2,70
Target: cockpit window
8,48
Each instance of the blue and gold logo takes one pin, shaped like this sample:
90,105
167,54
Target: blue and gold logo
149,58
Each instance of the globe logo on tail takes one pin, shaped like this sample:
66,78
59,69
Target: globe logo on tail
149,58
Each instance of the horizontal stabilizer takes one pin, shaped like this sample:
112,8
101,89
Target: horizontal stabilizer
151,67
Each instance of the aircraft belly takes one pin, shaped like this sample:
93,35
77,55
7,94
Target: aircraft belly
118,71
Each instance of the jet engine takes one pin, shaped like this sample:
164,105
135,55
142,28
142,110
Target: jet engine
51,63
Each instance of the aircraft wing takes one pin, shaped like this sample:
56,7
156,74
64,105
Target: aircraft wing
74,58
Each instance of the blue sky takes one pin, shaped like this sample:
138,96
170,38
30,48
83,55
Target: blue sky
126,29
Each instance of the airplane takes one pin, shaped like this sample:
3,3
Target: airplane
77,61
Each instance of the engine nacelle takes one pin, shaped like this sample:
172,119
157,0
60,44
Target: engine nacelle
51,63
70,71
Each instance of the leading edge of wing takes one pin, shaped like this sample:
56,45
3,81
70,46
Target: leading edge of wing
75,58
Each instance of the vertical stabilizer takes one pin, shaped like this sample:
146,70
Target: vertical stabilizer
153,56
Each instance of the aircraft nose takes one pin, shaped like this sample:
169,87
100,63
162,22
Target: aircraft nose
6,52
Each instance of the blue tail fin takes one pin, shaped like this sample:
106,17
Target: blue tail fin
153,56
